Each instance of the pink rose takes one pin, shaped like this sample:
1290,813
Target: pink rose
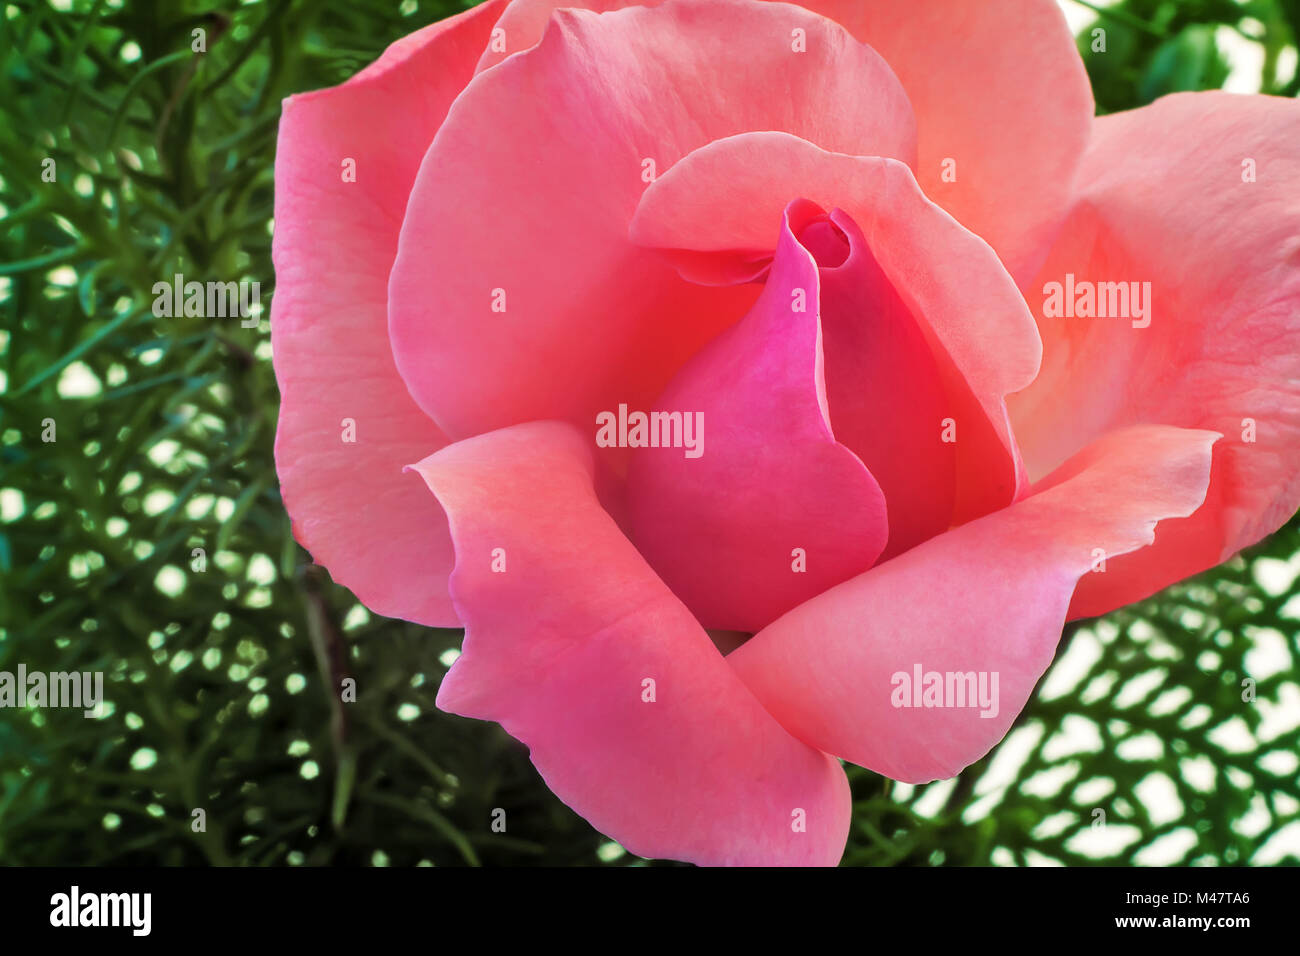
846,326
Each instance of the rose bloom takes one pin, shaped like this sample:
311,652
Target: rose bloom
763,386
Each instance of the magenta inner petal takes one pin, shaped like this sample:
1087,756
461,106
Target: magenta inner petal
769,510
826,241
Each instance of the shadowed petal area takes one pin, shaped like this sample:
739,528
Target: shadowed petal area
773,510
1189,208
516,294
987,598
577,649
711,212
887,395
377,531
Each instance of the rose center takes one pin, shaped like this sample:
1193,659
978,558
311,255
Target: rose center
826,241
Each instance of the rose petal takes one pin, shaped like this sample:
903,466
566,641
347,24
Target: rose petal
378,532
1000,90
887,394
523,22
523,202
716,201
770,509
988,597
1161,200
560,642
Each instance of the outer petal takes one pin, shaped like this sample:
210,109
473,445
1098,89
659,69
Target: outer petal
530,185
720,199
524,21
722,528
559,648
377,531
988,597
1162,200
999,89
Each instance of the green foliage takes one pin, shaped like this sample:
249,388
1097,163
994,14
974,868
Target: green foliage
221,675
1149,48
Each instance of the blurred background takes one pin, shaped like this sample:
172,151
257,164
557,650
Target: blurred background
149,541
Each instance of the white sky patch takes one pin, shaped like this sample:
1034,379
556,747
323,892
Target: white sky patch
163,451
1077,734
78,381
1048,783
1109,840
936,795
1245,59
1287,62
1169,849
1282,717
1034,858
12,504
1077,15
1268,654
1082,654
1255,820
1198,772
1233,735
1275,576
1010,756
1144,746
1160,796
1285,842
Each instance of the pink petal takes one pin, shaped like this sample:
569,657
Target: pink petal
989,597
1161,199
524,21
558,647
887,394
772,510
717,202
530,185
377,531
1000,89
